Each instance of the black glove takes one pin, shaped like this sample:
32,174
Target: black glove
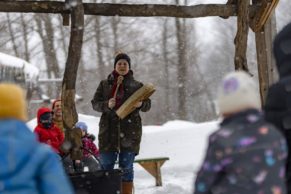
92,137
78,166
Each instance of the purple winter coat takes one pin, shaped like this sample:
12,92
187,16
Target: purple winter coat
89,146
246,155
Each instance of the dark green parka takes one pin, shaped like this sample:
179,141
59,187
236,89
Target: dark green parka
119,134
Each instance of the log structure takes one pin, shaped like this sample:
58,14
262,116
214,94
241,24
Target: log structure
255,14
241,39
128,10
70,116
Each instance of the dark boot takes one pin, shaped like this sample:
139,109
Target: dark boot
127,187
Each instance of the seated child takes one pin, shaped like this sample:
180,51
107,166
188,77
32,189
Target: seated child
90,151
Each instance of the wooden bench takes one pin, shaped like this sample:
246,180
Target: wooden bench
153,166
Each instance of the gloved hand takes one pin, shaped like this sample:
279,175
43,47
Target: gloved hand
111,103
92,137
78,166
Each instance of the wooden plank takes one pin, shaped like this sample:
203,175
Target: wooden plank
241,39
152,159
66,19
128,10
266,65
263,13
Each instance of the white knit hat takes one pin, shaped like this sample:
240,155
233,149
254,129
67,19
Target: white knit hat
237,92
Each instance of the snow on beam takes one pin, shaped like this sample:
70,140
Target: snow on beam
129,10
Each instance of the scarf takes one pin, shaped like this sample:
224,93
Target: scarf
120,92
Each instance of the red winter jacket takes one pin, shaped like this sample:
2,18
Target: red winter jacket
53,136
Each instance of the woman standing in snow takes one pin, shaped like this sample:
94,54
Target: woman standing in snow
247,154
119,139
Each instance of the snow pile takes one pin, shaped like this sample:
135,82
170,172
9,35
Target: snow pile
183,142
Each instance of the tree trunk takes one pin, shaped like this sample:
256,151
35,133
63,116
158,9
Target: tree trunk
63,40
114,26
51,47
241,39
12,35
70,116
181,66
166,69
25,37
100,60
45,43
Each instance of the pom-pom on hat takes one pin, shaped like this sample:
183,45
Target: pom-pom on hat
122,56
81,125
237,92
12,102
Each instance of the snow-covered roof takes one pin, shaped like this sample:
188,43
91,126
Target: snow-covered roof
31,72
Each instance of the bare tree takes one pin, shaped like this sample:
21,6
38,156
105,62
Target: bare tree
165,35
100,65
46,33
25,32
181,65
12,35
45,30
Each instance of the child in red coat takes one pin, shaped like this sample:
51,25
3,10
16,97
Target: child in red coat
47,132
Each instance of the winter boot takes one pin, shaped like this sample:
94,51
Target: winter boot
127,187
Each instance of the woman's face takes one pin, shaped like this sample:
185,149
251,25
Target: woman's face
58,109
122,67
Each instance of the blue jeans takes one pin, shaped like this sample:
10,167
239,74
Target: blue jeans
125,162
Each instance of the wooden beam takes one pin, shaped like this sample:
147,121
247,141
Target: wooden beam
241,39
66,19
129,10
263,13
266,64
70,116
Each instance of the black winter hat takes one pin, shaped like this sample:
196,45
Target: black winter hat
122,56
282,51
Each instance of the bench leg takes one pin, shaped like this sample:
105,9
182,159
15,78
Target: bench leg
158,174
154,168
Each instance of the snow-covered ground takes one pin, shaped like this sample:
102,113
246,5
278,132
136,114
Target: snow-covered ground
183,142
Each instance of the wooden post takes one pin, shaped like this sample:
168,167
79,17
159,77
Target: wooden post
266,65
241,39
262,15
70,116
66,19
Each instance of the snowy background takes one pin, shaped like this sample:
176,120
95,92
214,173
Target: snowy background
154,47
183,142
152,43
